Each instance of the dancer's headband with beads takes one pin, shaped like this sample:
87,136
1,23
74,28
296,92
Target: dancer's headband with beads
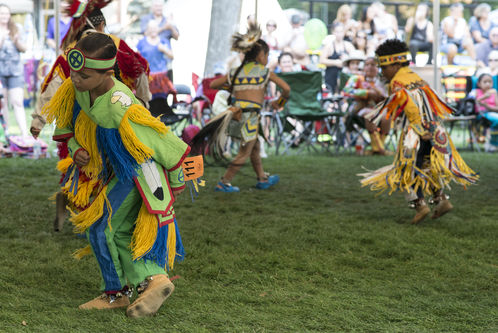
78,61
393,58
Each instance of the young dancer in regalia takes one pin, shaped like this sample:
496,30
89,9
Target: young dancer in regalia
131,68
426,160
247,85
122,181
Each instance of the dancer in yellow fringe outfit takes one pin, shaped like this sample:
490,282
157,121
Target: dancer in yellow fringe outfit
123,181
426,160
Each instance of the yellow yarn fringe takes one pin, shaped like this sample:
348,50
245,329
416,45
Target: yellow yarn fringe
78,254
89,216
60,107
141,116
402,175
83,194
144,236
64,164
85,134
145,233
171,244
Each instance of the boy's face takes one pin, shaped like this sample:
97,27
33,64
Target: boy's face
87,79
388,71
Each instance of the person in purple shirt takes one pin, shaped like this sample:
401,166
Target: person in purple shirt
64,25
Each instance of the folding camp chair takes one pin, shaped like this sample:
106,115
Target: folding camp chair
323,130
456,89
174,111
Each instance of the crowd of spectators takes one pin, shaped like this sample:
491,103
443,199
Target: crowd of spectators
474,40
471,40
352,33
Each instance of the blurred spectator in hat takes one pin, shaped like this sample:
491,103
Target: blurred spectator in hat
480,24
332,56
364,90
421,32
167,29
352,63
296,43
456,34
484,49
344,17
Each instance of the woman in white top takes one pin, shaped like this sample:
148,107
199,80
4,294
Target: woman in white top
456,34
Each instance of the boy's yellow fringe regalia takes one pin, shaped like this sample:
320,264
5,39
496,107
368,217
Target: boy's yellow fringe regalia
135,163
417,111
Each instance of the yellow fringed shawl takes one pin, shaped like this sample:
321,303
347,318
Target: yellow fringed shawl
139,115
60,107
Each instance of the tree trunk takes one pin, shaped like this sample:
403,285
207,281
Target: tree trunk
225,16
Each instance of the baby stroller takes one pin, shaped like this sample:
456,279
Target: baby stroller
173,108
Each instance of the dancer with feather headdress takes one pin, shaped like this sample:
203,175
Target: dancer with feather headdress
247,88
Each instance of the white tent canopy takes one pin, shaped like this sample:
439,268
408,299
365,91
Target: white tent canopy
190,49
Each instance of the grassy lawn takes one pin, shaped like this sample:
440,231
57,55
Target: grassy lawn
315,254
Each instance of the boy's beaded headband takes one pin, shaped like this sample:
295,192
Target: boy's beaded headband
77,61
393,58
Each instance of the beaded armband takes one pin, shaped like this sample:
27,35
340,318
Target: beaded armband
281,101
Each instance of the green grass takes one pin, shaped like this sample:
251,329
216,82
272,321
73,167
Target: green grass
317,253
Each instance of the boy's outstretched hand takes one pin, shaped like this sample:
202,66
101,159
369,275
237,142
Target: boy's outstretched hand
81,158
35,132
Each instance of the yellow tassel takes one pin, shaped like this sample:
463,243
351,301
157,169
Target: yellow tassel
141,116
60,107
145,233
85,191
64,164
171,244
89,216
82,252
85,134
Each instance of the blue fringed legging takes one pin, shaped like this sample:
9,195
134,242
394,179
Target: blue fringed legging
111,245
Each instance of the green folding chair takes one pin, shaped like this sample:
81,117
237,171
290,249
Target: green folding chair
307,106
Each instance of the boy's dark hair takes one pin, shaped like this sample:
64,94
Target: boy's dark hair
101,46
284,54
95,17
392,46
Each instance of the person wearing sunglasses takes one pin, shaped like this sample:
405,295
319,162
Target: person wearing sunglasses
493,62
484,49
